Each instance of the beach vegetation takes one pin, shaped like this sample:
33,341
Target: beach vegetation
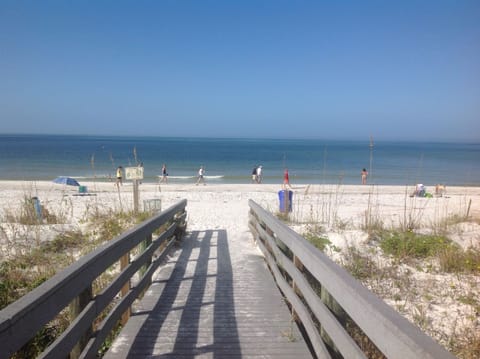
470,299
27,270
451,220
464,342
454,259
420,317
328,206
416,260
358,264
30,214
372,219
315,234
413,212
397,281
450,256
32,263
319,241
106,226
409,244
283,216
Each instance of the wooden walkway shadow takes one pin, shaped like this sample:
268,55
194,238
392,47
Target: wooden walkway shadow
214,299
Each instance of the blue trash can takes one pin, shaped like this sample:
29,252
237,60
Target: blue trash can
38,208
281,197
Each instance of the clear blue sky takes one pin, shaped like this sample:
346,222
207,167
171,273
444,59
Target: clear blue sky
302,69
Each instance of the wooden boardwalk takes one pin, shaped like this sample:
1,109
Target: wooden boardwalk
214,299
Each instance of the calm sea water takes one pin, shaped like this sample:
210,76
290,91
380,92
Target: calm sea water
43,157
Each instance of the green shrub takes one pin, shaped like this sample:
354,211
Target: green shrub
29,268
17,278
360,266
107,227
27,214
318,241
456,260
465,343
65,240
283,216
413,245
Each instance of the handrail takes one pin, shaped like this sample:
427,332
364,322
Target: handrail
288,255
21,320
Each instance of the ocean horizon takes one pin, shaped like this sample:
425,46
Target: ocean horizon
231,160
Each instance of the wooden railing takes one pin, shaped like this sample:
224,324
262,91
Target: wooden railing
21,320
322,295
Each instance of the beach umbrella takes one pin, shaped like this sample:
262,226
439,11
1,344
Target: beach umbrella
66,180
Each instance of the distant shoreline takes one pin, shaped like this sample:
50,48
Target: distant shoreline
230,161
220,181
49,186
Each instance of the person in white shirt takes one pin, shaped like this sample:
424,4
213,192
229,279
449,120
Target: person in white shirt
259,174
201,173
419,190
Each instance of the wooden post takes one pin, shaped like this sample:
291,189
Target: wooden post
124,262
468,209
181,226
76,307
135,195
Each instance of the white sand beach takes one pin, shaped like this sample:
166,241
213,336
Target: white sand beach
226,205
341,211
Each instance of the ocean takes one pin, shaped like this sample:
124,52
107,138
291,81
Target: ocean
226,160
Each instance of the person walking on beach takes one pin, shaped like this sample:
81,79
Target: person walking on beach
201,173
259,174
364,176
286,179
164,178
254,174
119,176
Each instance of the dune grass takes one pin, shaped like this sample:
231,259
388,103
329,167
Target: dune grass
34,262
412,263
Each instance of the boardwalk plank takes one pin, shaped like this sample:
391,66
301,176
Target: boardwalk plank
214,299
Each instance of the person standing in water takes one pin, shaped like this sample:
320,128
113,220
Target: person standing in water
254,174
119,175
364,176
259,174
164,174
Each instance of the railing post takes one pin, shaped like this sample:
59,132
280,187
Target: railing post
124,261
337,310
135,196
76,307
144,245
180,225
299,266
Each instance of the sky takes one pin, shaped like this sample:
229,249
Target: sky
394,70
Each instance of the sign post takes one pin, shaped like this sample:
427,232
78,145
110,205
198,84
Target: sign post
135,174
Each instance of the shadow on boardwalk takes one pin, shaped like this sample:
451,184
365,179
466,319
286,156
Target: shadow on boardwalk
198,307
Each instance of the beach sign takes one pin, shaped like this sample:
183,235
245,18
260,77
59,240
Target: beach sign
134,173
